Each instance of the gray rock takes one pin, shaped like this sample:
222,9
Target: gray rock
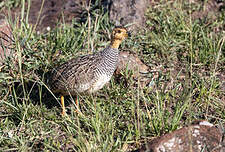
201,136
124,12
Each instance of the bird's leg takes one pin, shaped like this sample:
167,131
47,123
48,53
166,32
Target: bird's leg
77,102
77,106
63,106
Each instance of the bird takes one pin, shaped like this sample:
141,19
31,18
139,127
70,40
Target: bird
88,73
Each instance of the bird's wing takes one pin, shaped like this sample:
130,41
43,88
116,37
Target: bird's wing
75,72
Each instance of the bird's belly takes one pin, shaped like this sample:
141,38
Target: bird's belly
83,87
101,81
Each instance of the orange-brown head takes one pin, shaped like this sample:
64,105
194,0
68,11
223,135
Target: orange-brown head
118,35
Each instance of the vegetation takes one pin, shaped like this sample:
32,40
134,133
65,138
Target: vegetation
186,57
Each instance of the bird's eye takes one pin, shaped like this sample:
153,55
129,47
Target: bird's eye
118,31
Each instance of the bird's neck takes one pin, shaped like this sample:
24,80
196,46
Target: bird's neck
115,43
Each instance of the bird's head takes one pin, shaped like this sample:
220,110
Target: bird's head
118,35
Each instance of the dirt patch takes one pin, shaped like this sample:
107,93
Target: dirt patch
6,40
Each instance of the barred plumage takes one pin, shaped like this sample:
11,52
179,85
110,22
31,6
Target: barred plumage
88,73
69,79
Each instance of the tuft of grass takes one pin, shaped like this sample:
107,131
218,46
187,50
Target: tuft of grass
185,56
8,4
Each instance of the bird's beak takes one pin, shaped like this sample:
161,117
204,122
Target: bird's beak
129,34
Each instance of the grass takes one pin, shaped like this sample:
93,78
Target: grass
185,55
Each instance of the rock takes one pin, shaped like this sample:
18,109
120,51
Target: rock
132,12
122,12
5,40
130,61
200,136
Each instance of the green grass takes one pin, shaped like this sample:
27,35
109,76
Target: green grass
185,57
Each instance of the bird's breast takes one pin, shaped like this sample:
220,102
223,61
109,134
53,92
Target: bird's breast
99,83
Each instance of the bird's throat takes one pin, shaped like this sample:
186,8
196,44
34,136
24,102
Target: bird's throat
115,43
